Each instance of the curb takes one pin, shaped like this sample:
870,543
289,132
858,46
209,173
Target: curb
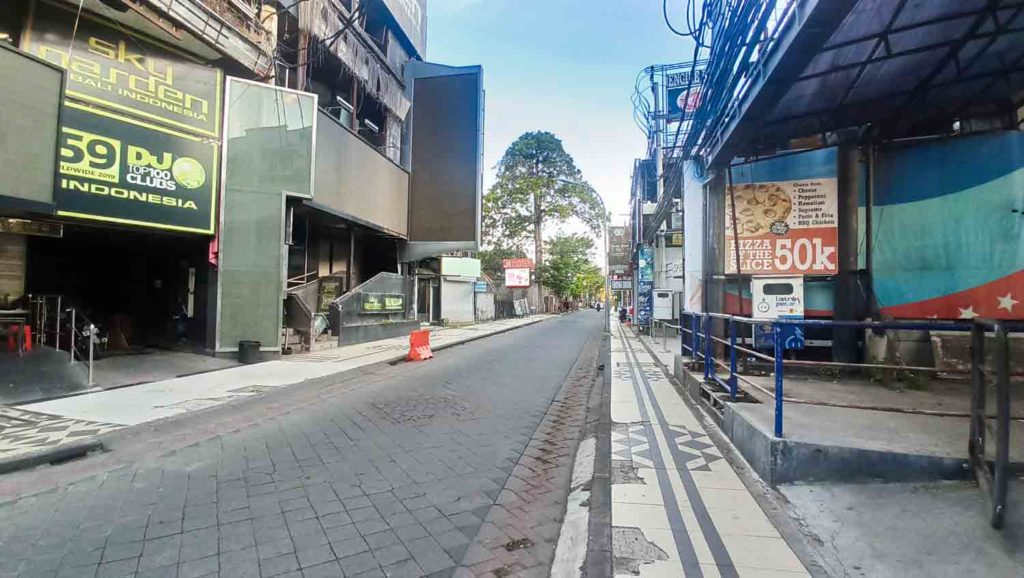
61,453
80,448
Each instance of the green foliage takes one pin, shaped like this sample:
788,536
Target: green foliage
568,271
537,183
490,260
588,283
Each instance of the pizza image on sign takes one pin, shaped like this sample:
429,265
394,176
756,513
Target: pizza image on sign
759,208
780,228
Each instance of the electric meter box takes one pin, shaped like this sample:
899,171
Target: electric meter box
777,297
663,304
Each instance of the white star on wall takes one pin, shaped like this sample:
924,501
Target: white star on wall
1007,302
967,313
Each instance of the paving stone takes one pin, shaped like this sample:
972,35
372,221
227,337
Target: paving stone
390,554
279,565
367,513
169,571
438,526
239,564
115,552
334,519
342,533
371,526
315,555
299,515
272,549
353,565
117,569
381,539
201,567
356,502
328,570
198,544
400,520
404,569
160,552
413,532
430,555
344,548
272,534
236,536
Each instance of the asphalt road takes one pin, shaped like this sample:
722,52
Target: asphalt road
455,466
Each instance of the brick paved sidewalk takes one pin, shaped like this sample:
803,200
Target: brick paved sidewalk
47,425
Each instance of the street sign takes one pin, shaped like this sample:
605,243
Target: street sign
480,287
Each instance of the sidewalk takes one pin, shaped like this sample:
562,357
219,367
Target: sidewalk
48,425
678,507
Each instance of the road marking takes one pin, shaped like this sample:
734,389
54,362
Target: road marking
571,551
693,505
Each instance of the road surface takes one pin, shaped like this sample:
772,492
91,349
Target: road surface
459,465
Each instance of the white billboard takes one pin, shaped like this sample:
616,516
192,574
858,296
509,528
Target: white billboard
517,278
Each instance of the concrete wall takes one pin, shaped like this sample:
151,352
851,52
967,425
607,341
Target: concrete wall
457,300
484,307
356,181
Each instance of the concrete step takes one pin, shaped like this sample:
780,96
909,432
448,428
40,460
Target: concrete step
319,345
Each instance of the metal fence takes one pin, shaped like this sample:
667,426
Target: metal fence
702,332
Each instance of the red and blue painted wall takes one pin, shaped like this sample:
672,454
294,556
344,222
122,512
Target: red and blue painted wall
948,227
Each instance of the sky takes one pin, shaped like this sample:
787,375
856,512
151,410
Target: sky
564,66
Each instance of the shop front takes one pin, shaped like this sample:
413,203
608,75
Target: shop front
112,197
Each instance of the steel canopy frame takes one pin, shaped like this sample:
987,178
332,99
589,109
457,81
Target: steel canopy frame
889,63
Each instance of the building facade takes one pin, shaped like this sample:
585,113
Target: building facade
193,175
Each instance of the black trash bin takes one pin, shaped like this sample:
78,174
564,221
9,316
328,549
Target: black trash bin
249,352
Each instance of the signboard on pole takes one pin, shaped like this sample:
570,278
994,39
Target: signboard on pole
683,90
113,67
519,263
621,284
115,169
782,228
517,278
645,285
618,250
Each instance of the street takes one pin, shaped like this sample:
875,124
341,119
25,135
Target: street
413,469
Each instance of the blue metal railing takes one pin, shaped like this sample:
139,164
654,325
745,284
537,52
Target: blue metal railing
698,342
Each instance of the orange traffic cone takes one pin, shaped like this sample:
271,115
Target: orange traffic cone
419,346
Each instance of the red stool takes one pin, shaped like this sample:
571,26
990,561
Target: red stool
28,337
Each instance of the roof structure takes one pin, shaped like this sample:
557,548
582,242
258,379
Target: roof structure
898,65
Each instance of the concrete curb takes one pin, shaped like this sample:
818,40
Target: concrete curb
80,448
599,547
60,453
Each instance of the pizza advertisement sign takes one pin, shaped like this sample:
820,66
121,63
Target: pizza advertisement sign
782,228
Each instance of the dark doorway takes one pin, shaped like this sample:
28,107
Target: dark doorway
143,289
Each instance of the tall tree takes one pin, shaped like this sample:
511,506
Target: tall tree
568,260
537,184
